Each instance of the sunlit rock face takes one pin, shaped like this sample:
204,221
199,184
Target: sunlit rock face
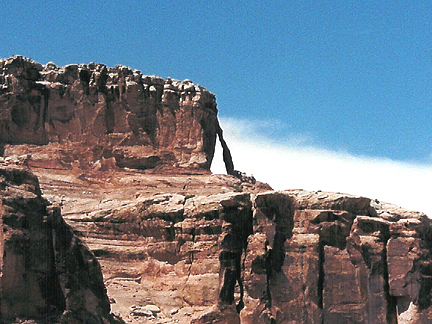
277,257
126,156
318,257
96,113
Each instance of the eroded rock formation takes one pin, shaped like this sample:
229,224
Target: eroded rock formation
88,113
280,257
47,274
177,244
336,264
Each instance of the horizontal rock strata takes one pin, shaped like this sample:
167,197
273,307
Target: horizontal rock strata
278,257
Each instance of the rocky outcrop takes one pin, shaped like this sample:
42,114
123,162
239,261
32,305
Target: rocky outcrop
194,242
278,257
47,274
339,261
86,114
177,244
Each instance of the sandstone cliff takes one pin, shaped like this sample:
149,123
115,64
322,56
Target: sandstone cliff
272,257
126,158
205,252
89,113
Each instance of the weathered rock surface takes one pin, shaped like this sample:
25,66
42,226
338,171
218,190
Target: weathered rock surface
126,157
47,274
268,257
87,115
156,235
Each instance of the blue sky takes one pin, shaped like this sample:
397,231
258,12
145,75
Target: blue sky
351,78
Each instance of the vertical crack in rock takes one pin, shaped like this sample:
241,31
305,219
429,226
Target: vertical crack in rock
85,77
409,270
425,293
273,222
46,97
277,252
51,287
237,226
391,315
109,117
367,249
230,263
321,275
333,227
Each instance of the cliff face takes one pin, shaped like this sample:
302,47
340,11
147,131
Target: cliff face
340,259
126,158
90,113
203,252
275,257
47,273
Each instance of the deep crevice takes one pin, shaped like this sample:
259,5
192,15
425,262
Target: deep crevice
85,77
321,276
238,226
277,253
109,118
230,262
269,273
391,315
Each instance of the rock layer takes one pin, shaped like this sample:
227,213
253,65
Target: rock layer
89,113
278,257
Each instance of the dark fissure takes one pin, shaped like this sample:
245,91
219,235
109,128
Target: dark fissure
391,300
321,276
230,263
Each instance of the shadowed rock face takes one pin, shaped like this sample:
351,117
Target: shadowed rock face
91,113
47,273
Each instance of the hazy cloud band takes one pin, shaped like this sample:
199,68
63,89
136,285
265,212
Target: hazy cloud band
295,163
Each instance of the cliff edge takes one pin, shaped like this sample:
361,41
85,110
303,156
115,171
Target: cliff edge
94,116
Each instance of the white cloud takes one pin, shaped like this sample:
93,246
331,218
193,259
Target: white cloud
298,164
